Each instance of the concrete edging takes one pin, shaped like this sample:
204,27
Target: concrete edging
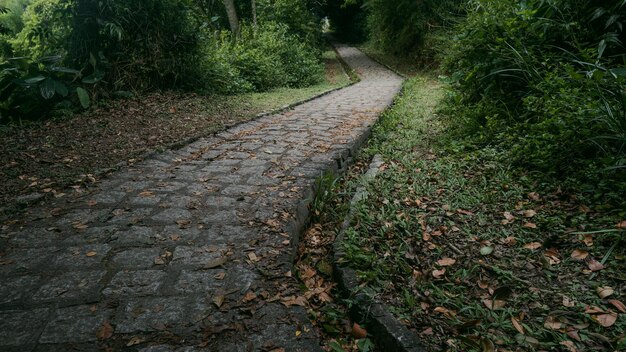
387,331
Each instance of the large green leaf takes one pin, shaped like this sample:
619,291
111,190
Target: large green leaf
83,96
33,80
47,88
60,88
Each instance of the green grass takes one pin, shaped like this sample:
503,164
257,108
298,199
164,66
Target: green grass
335,77
436,199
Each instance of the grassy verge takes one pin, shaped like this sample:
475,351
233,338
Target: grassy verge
472,253
49,156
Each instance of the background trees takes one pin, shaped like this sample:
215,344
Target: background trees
543,79
77,50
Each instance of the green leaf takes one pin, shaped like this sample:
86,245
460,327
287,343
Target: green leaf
60,88
47,88
486,250
94,78
83,96
365,345
65,70
33,80
336,347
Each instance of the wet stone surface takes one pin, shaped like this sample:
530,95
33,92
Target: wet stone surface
185,251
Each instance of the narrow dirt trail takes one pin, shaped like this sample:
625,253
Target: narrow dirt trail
188,248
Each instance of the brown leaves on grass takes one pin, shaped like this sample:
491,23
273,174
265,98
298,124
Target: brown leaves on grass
437,274
594,265
446,261
517,325
358,332
445,311
602,317
533,245
604,291
579,254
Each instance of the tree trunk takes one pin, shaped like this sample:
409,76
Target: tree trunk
253,3
233,19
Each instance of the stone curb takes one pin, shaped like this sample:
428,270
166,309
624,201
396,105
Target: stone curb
387,331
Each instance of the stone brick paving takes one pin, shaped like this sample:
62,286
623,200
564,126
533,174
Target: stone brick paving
188,250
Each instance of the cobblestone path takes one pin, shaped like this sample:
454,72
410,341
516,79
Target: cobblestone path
187,250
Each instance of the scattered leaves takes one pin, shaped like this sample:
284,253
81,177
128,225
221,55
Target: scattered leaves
437,274
446,262
579,254
618,304
604,291
533,245
105,331
358,332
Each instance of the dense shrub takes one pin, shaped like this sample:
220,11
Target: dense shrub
144,44
262,59
543,78
298,15
401,27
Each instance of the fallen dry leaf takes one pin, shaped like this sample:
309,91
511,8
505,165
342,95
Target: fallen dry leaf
358,332
220,276
509,241
146,194
105,331
136,340
593,310
604,291
594,265
446,261
579,254
215,263
621,225
517,325
494,304
529,213
218,300
567,302
605,319
571,347
552,323
91,254
294,301
79,226
445,311
439,273
533,245
252,256
530,225
534,196
250,296
618,304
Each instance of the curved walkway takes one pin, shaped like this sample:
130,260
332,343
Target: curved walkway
190,247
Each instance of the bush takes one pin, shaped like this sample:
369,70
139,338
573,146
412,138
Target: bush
544,79
267,58
144,44
29,89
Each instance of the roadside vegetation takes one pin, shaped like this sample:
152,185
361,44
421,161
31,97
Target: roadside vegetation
498,219
86,85
45,157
